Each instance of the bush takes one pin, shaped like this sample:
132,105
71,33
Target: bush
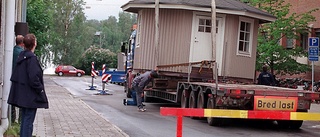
99,56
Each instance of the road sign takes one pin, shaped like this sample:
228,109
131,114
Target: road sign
313,42
313,49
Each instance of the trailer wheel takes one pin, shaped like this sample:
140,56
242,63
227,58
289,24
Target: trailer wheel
212,121
216,121
193,101
184,99
292,124
283,124
296,124
201,100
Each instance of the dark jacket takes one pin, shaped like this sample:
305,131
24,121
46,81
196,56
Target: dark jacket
265,78
27,88
16,51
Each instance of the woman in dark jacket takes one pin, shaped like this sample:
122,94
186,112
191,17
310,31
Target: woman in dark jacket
27,89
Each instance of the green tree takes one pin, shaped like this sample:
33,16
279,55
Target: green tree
116,31
38,19
70,37
111,32
126,20
288,25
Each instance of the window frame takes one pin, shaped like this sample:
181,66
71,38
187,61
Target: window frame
138,33
251,22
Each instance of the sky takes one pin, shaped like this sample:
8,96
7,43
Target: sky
102,9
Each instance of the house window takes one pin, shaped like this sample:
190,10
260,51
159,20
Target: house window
138,30
204,25
304,41
245,36
289,43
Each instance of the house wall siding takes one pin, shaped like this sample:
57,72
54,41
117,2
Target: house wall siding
238,66
174,42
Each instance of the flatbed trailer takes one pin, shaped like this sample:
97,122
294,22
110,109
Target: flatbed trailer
205,95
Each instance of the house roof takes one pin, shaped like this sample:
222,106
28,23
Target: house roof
222,6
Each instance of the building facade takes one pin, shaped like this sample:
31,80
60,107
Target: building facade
300,7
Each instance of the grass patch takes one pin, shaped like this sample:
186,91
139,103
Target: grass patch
13,131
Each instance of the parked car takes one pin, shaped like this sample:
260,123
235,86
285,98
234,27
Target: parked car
68,70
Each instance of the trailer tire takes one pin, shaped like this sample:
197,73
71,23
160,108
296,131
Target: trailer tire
292,124
283,124
296,124
216,121
193,101
201,100
184,99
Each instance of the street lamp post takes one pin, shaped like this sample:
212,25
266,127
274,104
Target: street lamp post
98,33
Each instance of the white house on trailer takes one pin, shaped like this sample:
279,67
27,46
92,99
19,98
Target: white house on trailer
185,35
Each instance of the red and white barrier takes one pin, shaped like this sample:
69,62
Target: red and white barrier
93,73
103,68
106,77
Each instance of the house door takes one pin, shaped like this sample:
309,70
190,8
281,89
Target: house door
201,48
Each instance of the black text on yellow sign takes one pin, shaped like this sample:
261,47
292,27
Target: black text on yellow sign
275,103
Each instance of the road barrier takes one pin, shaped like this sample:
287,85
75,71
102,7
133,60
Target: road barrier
105,78
93,75
244,114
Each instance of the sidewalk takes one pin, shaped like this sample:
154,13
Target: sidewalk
70,117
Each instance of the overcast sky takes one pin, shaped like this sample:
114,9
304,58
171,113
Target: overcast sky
102,9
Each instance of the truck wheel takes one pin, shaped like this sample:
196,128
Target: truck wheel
296,124
184,99
285,124
201,100
216,121
193,101
212,121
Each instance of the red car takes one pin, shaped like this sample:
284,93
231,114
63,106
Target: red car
68,70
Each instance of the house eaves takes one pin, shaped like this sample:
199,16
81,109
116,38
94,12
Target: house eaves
222,6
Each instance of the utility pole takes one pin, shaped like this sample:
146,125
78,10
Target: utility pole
156,41
24,11
98,33
213,38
